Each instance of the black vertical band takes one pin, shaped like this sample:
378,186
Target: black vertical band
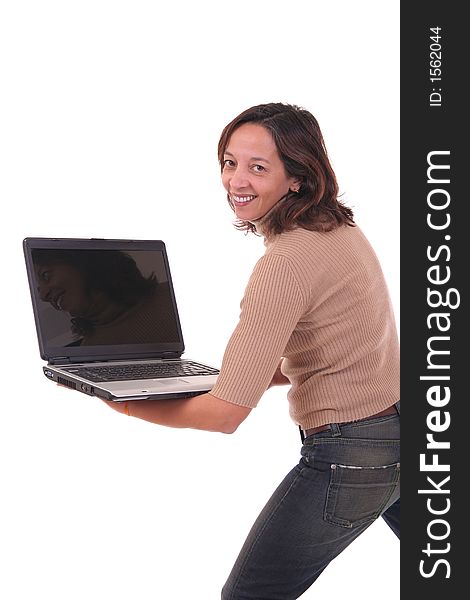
434,300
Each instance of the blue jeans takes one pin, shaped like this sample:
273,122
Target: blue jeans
348,476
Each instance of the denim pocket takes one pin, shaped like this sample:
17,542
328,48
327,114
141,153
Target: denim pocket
357,495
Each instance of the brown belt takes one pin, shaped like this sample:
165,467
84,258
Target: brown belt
391,410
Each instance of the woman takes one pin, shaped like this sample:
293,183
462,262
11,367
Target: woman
316,315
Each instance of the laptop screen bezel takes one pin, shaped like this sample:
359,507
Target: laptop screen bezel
61,354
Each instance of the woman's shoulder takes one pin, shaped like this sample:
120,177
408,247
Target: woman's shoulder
315,254
298,241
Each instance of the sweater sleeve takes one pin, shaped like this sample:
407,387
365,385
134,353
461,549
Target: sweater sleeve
270,309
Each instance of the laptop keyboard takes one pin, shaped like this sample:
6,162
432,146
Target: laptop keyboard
144,371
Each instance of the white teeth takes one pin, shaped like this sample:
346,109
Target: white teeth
243,199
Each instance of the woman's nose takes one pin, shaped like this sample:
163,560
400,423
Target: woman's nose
239,179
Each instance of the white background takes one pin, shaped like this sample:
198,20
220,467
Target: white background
110,117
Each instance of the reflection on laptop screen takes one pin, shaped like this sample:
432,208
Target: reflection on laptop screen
103,297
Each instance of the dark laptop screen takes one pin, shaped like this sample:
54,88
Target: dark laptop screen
102,296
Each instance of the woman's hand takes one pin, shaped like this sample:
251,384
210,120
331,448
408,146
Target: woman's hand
203,411
122,407
278,377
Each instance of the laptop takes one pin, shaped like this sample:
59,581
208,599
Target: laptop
107,320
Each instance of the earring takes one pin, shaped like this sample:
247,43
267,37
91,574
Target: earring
295,190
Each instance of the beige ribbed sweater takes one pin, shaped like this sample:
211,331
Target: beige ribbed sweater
320,301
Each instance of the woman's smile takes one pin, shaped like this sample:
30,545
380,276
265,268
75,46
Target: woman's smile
241,200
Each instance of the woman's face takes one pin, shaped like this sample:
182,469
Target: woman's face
63,286
253,173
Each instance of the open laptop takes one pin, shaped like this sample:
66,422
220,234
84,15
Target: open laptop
107,319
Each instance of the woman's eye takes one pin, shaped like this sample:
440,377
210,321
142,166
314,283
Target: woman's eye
258,168
228,162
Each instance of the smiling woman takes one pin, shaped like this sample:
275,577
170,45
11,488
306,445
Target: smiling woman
316,314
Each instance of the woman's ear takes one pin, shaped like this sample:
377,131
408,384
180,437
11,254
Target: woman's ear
295,186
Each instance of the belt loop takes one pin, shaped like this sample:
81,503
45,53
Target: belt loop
397,406
302,434
335,429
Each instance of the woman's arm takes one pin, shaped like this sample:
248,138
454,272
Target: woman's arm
204,412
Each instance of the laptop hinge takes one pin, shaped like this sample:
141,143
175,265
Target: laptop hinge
170,355
66,360
60,360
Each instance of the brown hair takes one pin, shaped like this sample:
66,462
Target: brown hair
301,148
